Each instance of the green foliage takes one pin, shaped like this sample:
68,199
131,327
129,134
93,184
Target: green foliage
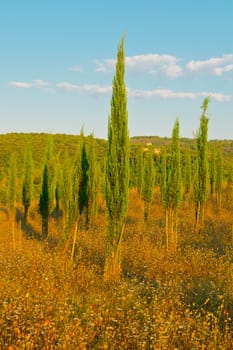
219,176
27,187
202,169
148,183
83,186
188,172
212,170
140,177
117,162
47,195
174,173
44,196
170,187
12,182
92,178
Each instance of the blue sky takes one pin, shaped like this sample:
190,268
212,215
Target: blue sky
57,64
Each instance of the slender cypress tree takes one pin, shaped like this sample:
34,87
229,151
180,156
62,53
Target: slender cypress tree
219,176
171,188
92,178
47,196
187,175
83,187
140,171
229,187
11,195
27,182
66,192
148,183
201,176
117,170
44,202
212,171
12,182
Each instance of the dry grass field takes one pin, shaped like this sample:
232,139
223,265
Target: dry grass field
181,300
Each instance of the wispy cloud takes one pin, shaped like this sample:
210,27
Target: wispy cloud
40,83
149,63
137,93
77,69
169,94
169,66
214,65
92,89
21,84
37,83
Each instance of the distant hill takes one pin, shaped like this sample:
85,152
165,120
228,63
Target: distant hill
17,143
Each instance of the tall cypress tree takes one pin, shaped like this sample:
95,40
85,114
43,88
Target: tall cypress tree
83,187
171,187
44,202
66,192
148,183
47,195
219,176
27,182
187,172
12,182
201,176
117,169
212,171
92,178
140,171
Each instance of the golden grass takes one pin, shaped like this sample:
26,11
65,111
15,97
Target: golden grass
164,301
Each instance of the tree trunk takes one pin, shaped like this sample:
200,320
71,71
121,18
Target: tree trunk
45,227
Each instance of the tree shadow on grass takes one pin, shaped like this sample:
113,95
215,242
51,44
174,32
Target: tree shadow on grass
28,229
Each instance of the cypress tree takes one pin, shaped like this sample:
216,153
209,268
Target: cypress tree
188,172
11,195
140,171
92,178
212,171
12,183
148,183
163,177
171,188
117,169
219,176
75,187
229,187
201,176
83,186
47,196
27,182
44,202
66,192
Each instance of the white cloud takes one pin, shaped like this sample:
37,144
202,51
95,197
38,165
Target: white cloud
37,83
137,93
40,83
220,70
149,63
92,89
67,86
21,84
215,65
105,66
169,94
77,69
216,96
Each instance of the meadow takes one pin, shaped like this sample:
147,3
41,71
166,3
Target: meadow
164,300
